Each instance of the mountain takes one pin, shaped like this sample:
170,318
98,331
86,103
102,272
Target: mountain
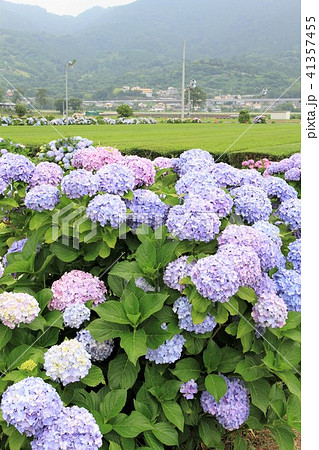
141,43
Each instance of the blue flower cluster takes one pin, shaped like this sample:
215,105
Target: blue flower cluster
15,167
67,362
183,309
79,183
62,150
74,429
107,209
279,188
146,208
268,228
252,177
245,262
194,160
42,197
216,199
16,246
192,221
169,352
289,288
176,271
116,179
264,285
251,203
233,409
226,175
293,174
47,173
3,186
195,183
270,311
189,389
290,213
30,405
294,255
215,278
99,351
74,315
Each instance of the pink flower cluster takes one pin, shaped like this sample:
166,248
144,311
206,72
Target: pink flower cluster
95,158
261,164
76,287
143,169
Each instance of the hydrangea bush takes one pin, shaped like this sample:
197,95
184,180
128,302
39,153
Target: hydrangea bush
147,304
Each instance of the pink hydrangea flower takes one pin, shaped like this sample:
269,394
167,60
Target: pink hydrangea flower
143,168
94,159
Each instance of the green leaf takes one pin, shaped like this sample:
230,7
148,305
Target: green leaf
232,306
174,414
198,317
251,369
229,360
112,311
116,284
212,356
43,297
216,386
5,335
247,294
134,344
165,253
102,330
288,355
54,319
94,377
293,321
126,270
155,335
245,326
105,250
291,381
113,403
187,369
132,425
64,252
122,374
239,443
37,220
209,433
37,324
17,441
199,303
165,433
294,413
150,303
146,256
284,437
92,251
260,391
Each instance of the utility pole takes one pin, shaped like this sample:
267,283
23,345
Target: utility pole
183,80
69,65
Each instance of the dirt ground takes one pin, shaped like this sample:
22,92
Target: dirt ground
263,441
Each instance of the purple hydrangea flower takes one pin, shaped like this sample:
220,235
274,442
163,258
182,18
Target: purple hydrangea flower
245,262
17,308
74,315
116,179
189,389
42,197
143,284
30,405
290,213
47,173
270,311
76,287
107,209
169,352
164,163
215,278
251,203
146,207
79,183
226,175
1,269
296,160
95,158
288,284
251,177
98,350
195,183
183,309
74,428
194,160
294,255
3,186
143,169
67,362
293,174
268,228
17,246
15,167
177,270
215,198
192,221
277,187
264,285
233,409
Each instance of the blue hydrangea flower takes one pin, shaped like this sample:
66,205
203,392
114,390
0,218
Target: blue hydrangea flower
74,429
79,183
42,197
98,350
245,262
67,362
47,173
271,230
192,221
226,175
215,278
264,285
270,311
194,182
143,284
15,167
294,255
215,198
183,309
252,177
251,203
189,389
74,315
116,179
194,160
169,352
293,174
176,271
16,246
107,209
289,288
277,187
3,186
30,405
290,213
146,208
233,409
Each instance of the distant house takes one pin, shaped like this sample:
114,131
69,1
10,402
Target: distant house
285,115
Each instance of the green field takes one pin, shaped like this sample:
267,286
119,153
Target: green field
274,139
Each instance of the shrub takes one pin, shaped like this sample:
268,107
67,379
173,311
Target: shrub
124,111
244,116
20,110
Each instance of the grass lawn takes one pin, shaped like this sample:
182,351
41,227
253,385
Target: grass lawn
273,138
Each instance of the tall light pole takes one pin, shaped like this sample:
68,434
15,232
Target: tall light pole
183,80
69,65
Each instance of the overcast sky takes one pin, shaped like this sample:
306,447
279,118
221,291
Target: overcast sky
72,7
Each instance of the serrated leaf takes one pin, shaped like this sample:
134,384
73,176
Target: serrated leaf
187,369
113,403
174,414
260,391
134,344
165,433
216,386
122,374
212,356
94,377
132,425
112,311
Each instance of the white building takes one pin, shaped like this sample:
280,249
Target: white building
280,115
